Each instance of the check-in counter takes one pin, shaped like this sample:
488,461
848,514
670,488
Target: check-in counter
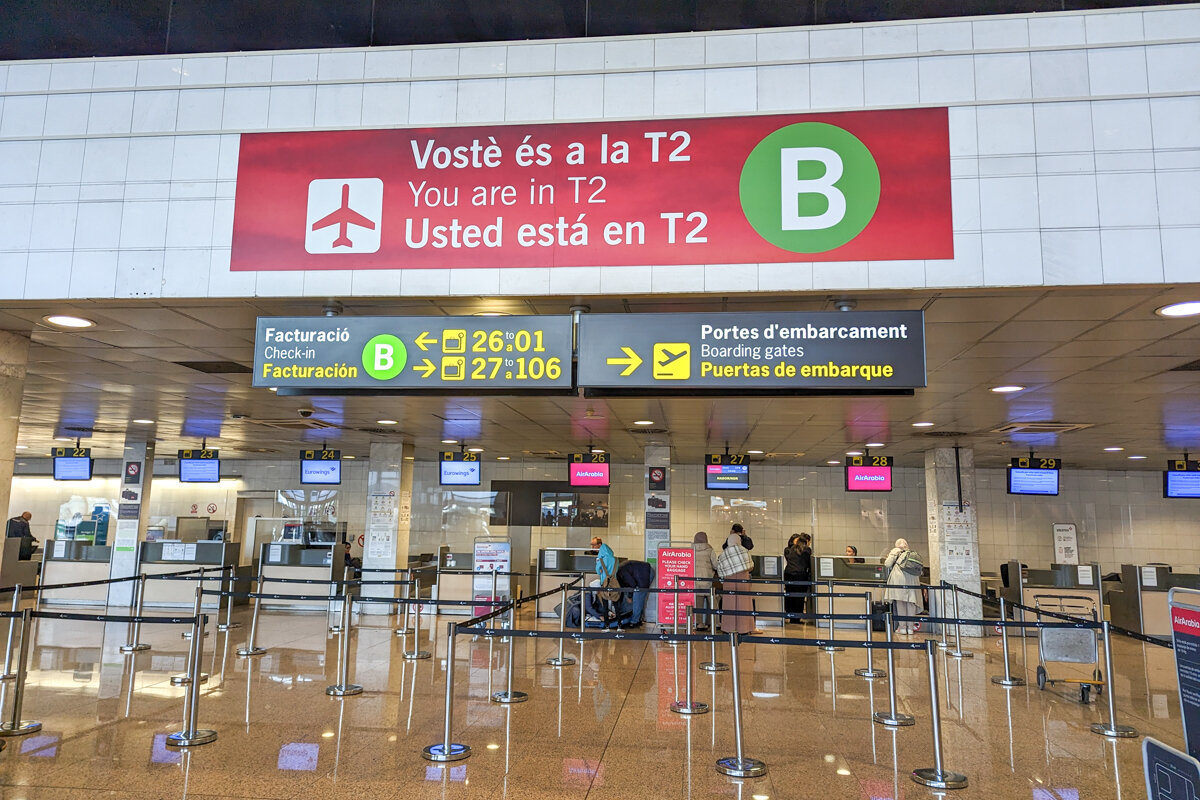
167,556
1061,580
70,561
455,579
844,568
295,560
769,569
1140,604
13,570
558,565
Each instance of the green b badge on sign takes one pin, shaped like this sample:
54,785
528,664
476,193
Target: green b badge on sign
384,357
809,187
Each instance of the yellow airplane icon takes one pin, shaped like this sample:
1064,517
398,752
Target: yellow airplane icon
672,361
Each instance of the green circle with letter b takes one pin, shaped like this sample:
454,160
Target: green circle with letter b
809,187
384,357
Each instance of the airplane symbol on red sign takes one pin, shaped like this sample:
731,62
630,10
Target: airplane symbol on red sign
344,217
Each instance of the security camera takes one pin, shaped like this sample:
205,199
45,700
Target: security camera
305,412
845,305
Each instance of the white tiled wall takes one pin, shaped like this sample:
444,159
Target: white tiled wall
1121,517
1101,108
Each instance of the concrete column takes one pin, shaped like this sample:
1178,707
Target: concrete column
658,517
389,517
133,514
14,354
953,529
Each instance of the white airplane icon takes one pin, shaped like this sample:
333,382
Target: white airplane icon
344,217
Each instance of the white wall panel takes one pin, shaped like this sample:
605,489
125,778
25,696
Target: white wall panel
1065,169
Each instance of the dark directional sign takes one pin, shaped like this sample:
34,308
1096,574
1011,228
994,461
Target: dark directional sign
1170,774
444,354
761,351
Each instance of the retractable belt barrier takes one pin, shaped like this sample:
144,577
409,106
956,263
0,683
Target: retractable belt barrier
1141,637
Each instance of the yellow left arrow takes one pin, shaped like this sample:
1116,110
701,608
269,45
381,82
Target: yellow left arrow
631,361
426,368
424,340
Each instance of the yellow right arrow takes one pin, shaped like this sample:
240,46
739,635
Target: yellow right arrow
632,361
424,340
426,368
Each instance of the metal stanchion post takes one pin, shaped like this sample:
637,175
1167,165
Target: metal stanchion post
869,672
134,646
228,624
187,634
943,644
193,651
191,735
1111,728
712,665
958,652
892,718
446,750
15,726
336,627
831,647
416,652
561,660
936,776
687,706
12,633
508,696
252,648
738,766
674,640
405,629
1007,679
343,687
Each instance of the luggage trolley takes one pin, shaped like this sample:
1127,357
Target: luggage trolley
1069,645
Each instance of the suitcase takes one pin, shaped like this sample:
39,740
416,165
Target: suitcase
878,609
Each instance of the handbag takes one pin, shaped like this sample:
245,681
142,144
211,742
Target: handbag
912,565
608,590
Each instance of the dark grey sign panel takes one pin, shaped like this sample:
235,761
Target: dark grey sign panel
759,351
1170,774
442,354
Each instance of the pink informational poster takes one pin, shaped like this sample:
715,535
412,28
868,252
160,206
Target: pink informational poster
674,562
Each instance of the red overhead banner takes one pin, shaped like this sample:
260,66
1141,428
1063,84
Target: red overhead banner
866,185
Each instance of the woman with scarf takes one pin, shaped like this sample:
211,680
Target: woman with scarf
733,568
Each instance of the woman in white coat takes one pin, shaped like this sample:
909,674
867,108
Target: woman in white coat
903,568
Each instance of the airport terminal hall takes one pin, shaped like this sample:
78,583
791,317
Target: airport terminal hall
579,400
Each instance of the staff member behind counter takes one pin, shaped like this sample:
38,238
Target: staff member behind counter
18,528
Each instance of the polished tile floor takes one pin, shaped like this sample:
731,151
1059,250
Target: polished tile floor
598,729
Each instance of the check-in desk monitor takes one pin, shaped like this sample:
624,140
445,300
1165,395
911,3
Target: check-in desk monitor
73,561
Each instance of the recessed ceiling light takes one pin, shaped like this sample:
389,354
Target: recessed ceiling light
502,458
272,389
755,452
1113,449
67,321
854,452
1187,309
143,422
1007,389
350,457
22,447
876,444
449,441
493,747
406,458
327,735
597,449
922,424
63,439
833,461
492,314
643,422
474,449
1137,458
386,422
